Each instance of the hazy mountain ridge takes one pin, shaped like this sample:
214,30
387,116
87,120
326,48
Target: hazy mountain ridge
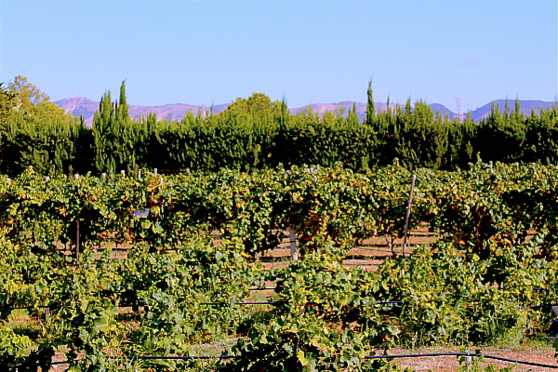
85,107
527,106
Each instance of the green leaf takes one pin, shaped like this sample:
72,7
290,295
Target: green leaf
301,358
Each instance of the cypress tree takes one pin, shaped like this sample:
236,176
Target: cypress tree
122,114
103,121
352,118
370,109
500,129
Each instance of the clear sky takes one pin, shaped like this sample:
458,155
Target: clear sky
204,52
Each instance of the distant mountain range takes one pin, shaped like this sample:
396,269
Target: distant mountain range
86,108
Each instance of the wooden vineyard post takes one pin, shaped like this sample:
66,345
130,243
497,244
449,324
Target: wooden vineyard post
468,362
77,242
408,216
294,248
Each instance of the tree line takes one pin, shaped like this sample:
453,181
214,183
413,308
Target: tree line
258,133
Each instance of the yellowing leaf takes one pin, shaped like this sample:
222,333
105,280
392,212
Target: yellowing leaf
301,358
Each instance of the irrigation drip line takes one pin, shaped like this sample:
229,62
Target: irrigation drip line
395,356
29,307
391,302
238,303
368,248
521,362
461,354
185,357
232,303
277,302
541,306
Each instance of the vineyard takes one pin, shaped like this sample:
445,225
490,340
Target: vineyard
135,272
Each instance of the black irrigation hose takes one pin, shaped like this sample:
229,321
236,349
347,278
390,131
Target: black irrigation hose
238,303
275,303
235,303
393,302
395,356
28,307
541,306
389,302
185,357
461,354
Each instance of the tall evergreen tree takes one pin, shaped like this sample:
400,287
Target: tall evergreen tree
370,109
352,118
499,129
103,121
122,111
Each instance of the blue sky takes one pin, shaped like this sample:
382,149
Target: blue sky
204,52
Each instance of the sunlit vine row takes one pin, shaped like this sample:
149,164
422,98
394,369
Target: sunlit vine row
494,258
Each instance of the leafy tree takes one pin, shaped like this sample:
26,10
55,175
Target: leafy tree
7,103
27,95
35,132
32,101
257,103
